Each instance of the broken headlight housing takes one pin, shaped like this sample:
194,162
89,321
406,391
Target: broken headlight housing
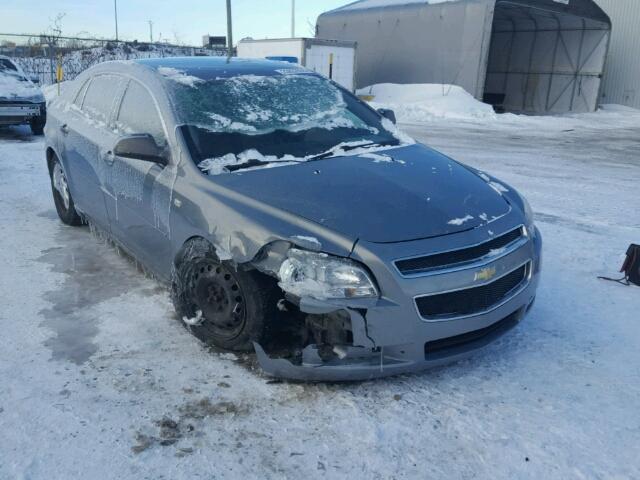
322,276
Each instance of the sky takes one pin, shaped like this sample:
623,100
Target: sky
179,21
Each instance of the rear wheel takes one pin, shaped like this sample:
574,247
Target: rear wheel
62,196
221,305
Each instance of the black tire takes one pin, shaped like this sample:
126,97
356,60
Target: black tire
66,208
236,306
37,125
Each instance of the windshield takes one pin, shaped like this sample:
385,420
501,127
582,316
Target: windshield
6,65
249,120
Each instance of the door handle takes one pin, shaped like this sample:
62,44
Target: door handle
109,158
64,129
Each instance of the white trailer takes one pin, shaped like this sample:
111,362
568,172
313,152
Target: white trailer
334,59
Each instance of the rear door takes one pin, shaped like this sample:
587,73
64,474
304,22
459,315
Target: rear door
88,136
136,190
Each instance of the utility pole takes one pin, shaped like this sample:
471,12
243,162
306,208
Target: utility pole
150,31
229,30
293,18
115,11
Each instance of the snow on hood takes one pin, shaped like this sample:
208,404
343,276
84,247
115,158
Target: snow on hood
16,86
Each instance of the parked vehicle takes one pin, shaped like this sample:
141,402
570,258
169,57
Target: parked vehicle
290,217
21,101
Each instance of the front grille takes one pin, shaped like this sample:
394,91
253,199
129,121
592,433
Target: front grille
470,338
473,300
426,263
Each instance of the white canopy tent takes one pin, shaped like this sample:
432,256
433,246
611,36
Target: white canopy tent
533,56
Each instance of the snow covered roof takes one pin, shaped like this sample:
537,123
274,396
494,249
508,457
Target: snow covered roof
367,4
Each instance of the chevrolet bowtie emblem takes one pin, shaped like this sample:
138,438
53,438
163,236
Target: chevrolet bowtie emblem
485,274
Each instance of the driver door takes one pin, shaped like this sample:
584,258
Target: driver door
138,191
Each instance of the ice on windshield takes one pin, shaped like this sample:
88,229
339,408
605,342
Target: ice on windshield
253,104
179,76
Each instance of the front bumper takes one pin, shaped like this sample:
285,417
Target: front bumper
391,338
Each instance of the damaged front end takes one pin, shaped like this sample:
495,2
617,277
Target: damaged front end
359,318
337,348
325,307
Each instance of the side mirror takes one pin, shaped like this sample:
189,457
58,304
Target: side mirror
35,79
140,147
388,114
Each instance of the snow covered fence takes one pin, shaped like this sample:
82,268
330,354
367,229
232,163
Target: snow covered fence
38,55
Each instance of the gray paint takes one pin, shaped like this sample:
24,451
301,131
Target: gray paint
245,214
545,56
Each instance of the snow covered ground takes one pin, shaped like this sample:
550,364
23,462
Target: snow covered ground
99,380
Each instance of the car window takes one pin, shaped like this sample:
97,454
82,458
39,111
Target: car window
7,65
138,114
98,101
80,96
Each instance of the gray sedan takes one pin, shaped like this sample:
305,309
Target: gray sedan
290,218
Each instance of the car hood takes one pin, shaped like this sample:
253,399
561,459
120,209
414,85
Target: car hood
16,87
395,195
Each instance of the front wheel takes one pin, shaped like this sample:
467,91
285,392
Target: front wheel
62,196
223,306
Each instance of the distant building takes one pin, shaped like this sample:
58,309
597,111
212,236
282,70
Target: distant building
622,73
533,56
214,42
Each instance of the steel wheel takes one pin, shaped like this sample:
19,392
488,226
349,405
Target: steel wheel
62,198
60,185
218,295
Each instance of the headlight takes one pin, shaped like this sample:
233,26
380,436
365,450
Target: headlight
321,276
528,216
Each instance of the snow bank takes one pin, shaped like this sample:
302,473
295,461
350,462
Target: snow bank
426,102
50,92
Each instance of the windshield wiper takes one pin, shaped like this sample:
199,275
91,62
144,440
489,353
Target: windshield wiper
348,148
256,163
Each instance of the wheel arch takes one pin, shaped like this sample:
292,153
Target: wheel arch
189,243
51,154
